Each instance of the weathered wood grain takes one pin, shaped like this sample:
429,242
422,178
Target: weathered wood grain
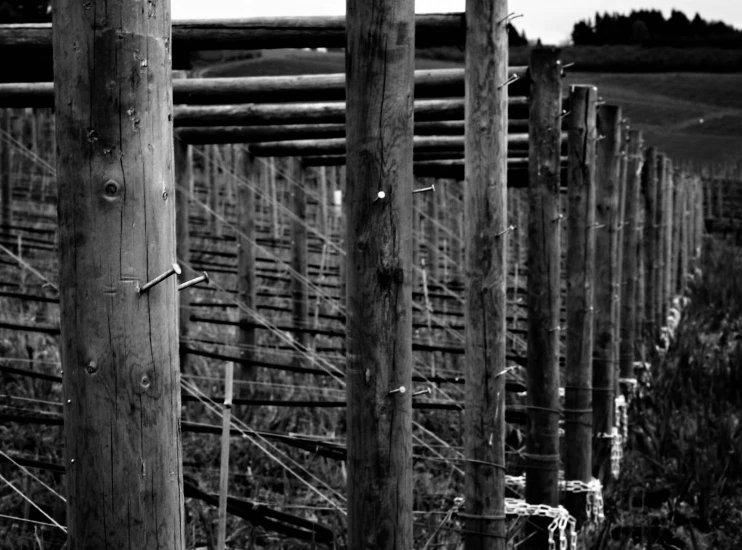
117,231
485,215
379,67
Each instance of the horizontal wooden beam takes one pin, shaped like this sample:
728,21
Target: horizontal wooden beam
430,83
259,33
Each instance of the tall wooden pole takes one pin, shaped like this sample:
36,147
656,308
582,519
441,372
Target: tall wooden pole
183,166
183,196
485,214
6,185
432,233
662,191
544,234
580,290
379,82
300,307
246,280
117,231
605,357
649,193
629,268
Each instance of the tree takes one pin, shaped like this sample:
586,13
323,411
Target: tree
640,33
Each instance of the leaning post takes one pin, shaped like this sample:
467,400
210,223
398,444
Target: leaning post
485,233
379,125
121,380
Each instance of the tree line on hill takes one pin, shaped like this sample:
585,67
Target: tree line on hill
650,28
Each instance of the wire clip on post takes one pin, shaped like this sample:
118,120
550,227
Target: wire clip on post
202,278
157,280
400,389
422,392
379,196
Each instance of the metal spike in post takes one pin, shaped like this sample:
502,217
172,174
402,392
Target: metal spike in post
175,270
424,189
200,279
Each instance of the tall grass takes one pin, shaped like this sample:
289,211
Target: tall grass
682,483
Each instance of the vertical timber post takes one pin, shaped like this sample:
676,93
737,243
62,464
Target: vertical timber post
607,279
630,264
183,187
379,126
183,166
580,290
544,235
485,215
649,192
662,189
117,231
246,280
6,185
297,179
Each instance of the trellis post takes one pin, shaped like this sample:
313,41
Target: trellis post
544,249
379,82
485,234
605,357
116,232
581,228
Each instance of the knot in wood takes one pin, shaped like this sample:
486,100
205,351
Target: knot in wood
111,188
92,367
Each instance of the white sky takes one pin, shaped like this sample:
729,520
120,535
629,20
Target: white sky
546,19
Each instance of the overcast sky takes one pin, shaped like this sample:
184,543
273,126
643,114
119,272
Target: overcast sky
546,19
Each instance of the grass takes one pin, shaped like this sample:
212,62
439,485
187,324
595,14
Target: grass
682,479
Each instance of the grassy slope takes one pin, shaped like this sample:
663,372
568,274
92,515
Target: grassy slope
667,106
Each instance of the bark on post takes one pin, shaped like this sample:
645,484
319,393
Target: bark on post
485,215
668,236
607,279
117,231
580,290
662,191
629,269
6,185
649,193
544,234
297,181
379,68
246,281
183,165
432,232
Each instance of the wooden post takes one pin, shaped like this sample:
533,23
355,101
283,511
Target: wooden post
6,184
629,270
668,249
322,215
649,193
246,280
677,233
183,195
183,166
116,232
432,232
224,457
216,167
580,290
605,357
662,190
300,308
485,215
544,234
379,82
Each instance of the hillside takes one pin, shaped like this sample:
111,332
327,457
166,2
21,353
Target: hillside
693,117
